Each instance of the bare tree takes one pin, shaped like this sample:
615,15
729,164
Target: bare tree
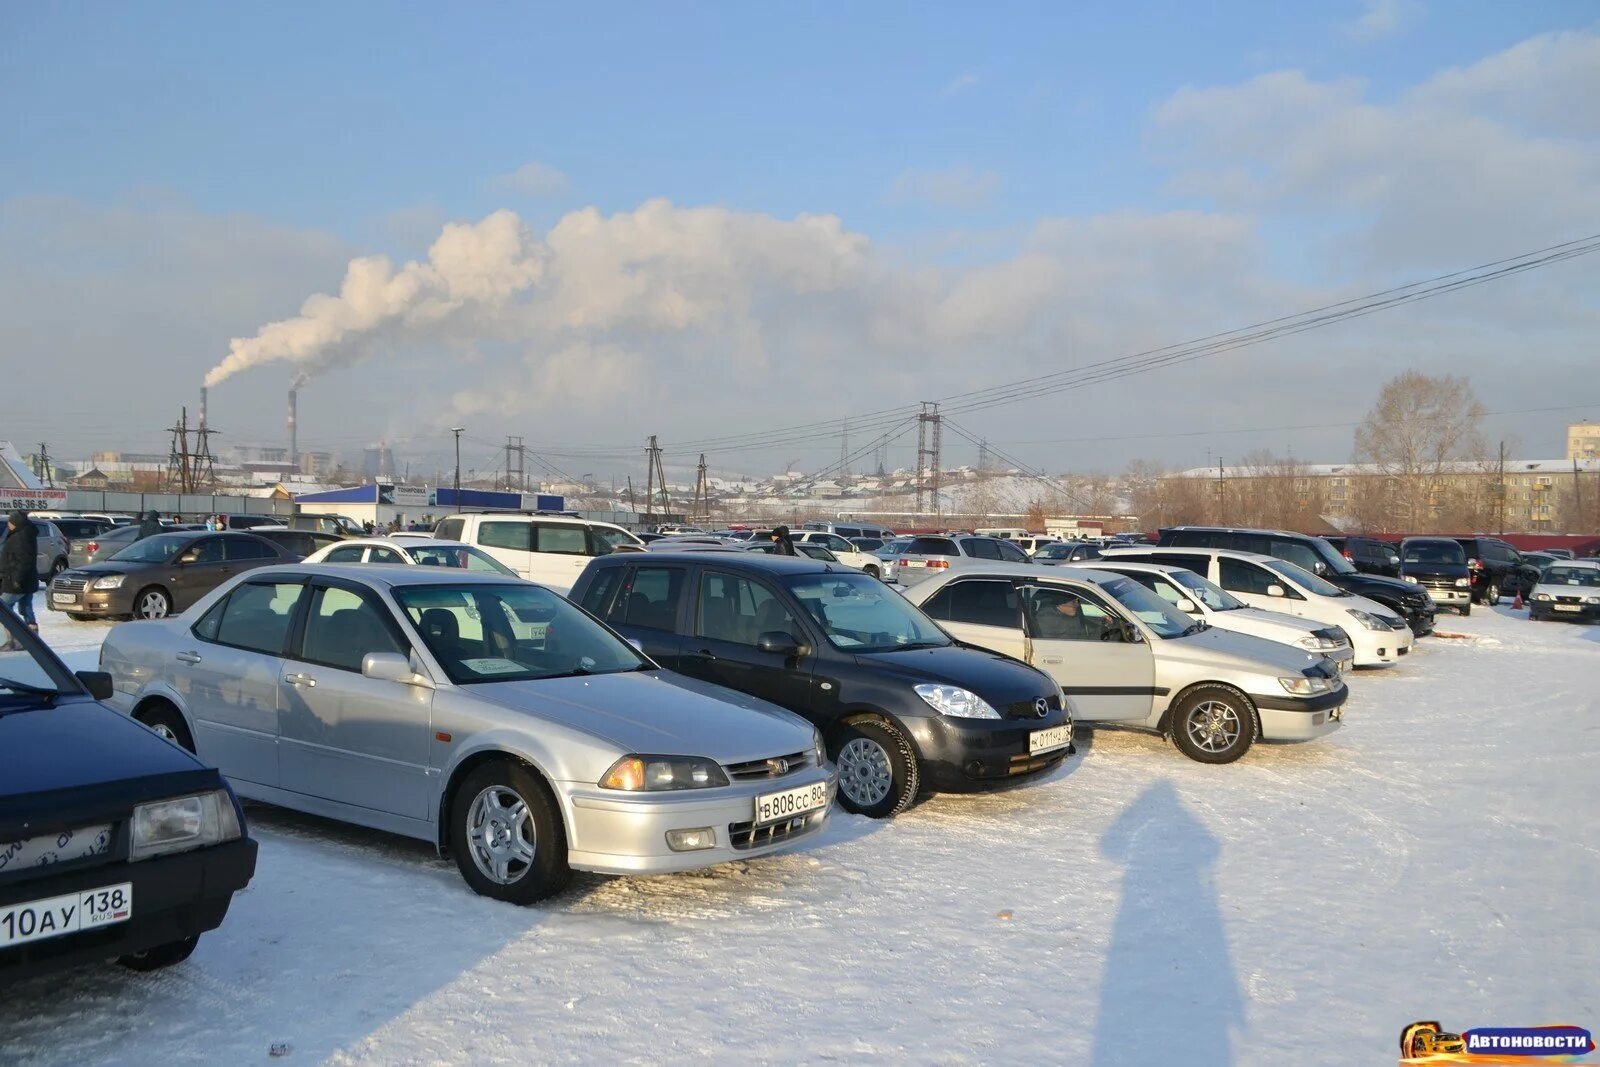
1417,429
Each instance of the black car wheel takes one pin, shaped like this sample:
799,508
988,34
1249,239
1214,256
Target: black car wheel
506,835
1491,595
1465,609
152,603
163,719
58,567
878,772
1214,724
153,959
871,570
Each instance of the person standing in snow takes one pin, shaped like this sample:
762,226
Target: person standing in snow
780,538
150,526
19,568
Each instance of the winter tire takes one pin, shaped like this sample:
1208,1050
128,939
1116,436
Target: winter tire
1466,609
506,834
1492,596
152,603
1214,724
869,569
58,567
164,720
878,771
153,959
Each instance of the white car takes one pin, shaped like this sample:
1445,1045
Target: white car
1031,544
412,551
1123,655
843,551
1200,599
549,549
1568,589
1377,634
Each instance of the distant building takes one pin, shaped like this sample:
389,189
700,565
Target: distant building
1583,440
377,462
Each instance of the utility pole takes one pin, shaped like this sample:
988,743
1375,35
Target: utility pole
632,505
1500,494
180,473
1222,493
844,453
41,466
702,490
929,459
519,481
1577,500
654,475
457,430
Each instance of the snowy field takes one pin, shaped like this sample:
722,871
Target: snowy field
1437,858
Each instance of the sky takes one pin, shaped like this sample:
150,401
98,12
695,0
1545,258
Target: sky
716,222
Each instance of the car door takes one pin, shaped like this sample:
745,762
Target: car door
981,611
1253,584
228,676
730,613
1102,662
648,607
508,540
199,568
248,553
560,552
346,737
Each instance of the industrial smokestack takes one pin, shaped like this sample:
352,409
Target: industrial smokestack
203,391
294,445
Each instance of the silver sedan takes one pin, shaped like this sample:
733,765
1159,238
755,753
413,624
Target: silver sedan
487,715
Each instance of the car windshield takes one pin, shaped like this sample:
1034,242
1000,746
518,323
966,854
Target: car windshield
861,614
1326,554
1434,552
157,549
894,548
510,633
615,539
1212,596
1559,574
1163,618
26,677
1058,550
463,556
1304,578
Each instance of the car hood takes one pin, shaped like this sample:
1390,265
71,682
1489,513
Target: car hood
106,566
79,759
998,679
1240,651
1580,591
1293,627
1434,570
657,713
1367,584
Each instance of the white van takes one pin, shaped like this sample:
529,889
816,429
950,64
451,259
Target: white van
1376,633
848,530
549,549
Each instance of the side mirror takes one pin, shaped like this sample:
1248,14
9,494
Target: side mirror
781,643
638,645
188,558
98,683
1394,561
1321,567
1185,605
391,667
1275,590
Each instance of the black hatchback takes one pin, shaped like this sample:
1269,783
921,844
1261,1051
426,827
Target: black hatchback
904,707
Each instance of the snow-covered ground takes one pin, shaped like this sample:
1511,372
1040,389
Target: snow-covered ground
1438,858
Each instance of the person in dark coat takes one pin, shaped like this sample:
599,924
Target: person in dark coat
19,567
150,526
780,537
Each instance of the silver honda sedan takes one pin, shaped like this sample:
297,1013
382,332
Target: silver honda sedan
485,714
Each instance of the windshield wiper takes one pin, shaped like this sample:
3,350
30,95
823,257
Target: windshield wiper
23,689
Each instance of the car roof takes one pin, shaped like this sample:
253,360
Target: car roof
1015,571
1586,562
1132,551
1107,562
387,576
732,560
398,542
523,516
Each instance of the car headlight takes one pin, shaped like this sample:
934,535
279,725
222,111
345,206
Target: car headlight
1541,596
1318,642
818,749
1591,600
166,826
1366,619
655,774
110,581
1462,583
955,702
1302,686
1409,578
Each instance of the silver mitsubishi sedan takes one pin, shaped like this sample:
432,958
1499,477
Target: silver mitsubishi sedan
482,713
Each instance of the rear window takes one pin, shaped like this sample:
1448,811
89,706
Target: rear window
565,540
450,529
932,546
513,535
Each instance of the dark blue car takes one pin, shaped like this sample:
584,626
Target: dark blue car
114,843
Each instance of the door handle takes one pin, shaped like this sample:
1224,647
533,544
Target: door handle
301,679
188,657
705,653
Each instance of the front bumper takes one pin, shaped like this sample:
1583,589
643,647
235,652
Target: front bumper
1290,718
959,755
97,602
174,898
1546,609
1419,618
626,833
1376,647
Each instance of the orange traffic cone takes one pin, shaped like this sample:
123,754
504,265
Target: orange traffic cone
1516,605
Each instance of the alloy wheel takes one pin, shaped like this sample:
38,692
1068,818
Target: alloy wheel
162,730
1213,726
500,835
153,605
865,774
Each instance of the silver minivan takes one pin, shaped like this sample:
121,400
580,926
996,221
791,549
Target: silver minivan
54,548
1123,655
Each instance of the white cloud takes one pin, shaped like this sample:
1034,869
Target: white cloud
533,179
1384,18
959,84
950,187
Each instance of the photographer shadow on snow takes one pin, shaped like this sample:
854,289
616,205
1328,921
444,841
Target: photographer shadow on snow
1169,990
